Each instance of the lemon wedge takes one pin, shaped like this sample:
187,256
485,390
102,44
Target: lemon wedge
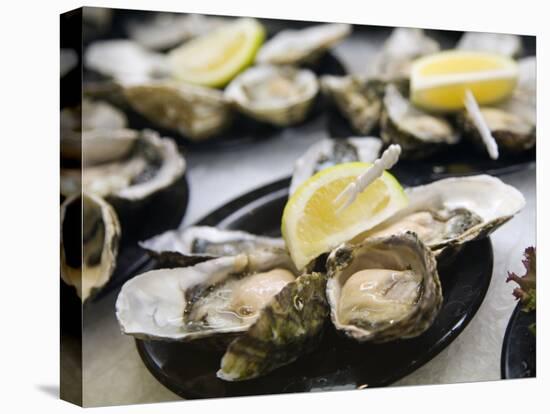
215,58
311,226
439,81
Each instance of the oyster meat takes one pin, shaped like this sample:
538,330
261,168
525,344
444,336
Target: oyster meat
280,95
501,43
295,47
328,152
419,133
384,288
89,220
450,212
358,100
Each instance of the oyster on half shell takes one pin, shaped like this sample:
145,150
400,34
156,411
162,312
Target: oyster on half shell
280,95
384,288
501,43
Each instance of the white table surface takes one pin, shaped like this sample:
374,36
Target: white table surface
112,369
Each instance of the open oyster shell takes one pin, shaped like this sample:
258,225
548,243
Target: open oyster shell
501,43
358,100
384,288
328,152
280,95
295,47
89,220
419,133
290,325
221,296
450,212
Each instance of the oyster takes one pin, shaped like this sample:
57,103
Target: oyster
358,100
419,133
328,152
450,212
177,246
501,43
195,111
221,296
294,47
513,122
280,95
403,46
89,220
290,325
384,288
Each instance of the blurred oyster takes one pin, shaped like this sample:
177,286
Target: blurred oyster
167,30
179,246
358,100
384,288
450,212
420,134
221,296
513,122
501,43
290,325
328,152
278,95
195,111
402,47
89,220
294,47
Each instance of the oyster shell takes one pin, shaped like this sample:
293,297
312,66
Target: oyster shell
450,212
328,152
384,288
195,111
176,246
280,95
295,47
290,325
358,100
419,133
221,296
501,43
89,220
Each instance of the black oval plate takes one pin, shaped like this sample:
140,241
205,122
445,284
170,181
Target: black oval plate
338,363
519,348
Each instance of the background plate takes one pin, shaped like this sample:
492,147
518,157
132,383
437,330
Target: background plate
338,363
519,348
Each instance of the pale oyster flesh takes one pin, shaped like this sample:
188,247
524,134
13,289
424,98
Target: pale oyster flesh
384,288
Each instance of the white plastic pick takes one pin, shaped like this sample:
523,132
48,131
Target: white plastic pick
473,110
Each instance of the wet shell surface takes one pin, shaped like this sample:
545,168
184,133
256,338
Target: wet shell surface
280,95
89,220
295,47
383,289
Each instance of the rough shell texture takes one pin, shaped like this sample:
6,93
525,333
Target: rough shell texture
280,95
293,47
153,305
404,252
289,326
328,152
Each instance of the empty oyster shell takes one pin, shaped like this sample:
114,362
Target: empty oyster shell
501,43
358,100
384,288
420,134
290,325
221,296
195,111
176,246
328,152
450,212
279,95
89,220
294,47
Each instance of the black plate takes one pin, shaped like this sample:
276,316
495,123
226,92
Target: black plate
338,363
519,348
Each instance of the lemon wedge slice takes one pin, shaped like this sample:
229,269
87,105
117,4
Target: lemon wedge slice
439,81
217,57
311,226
